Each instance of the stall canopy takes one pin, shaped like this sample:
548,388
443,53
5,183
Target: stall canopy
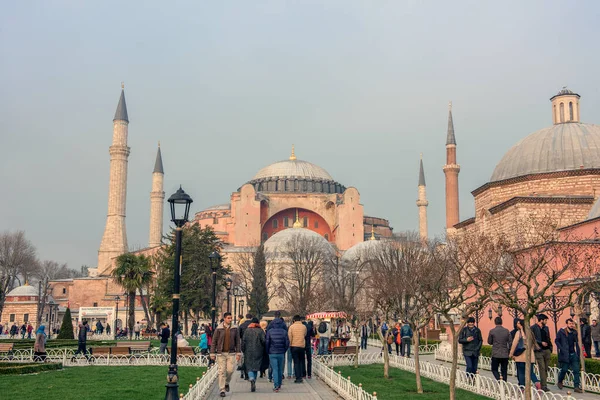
326,314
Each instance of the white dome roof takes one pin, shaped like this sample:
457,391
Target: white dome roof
361,250
275,245
25,290
561,147
293,169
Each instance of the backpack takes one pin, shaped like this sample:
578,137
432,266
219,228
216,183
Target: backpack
322,327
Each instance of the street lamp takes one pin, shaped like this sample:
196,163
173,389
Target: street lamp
214,258
490,313
228,283
180,209
236,294
242,308
117,299
587,308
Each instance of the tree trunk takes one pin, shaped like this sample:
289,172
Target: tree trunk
185,322
580,344
145,307
131,311
386,356
417,364
357,335
528,347
452,383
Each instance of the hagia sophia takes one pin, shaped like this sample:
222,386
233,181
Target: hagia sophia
555,171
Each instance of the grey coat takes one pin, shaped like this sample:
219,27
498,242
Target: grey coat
595,332
500,340
253,346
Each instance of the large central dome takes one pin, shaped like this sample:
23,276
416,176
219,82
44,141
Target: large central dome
561,147
293,169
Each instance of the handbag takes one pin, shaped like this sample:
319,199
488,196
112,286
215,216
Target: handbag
520,349
390,339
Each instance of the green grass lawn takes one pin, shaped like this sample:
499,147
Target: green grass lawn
400,385
96,383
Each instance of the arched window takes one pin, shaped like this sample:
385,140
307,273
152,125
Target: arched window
305,222
275,224
265,236
562,112
316,224
286,222
64,290
555,115
326,236
570,111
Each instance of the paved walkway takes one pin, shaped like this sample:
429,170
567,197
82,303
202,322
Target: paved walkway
513,379
311,389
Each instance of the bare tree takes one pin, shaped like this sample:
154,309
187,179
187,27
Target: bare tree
18,261
538,264
46,272
246,262
302,272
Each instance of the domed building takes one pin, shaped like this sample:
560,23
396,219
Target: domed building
21,306
554,172
284,192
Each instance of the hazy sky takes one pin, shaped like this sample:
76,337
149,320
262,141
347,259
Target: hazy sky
360,87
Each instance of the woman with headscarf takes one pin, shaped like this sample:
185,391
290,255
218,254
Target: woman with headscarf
39,348
264,366
253,347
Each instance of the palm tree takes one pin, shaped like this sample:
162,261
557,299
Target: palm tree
133,273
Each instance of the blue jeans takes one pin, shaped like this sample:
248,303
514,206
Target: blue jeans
472,362
276,362
521,373
363,342
572,365
252,375
597,347
323,345
288,355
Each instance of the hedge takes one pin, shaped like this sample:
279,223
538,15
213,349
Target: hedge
592,366
21,369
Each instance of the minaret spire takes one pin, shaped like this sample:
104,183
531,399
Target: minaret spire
157,200
114,240
422,202
451,170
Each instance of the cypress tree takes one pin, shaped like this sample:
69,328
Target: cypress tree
66,328
259,298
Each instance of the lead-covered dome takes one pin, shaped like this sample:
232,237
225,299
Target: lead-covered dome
277,244
25,290
295,175
561,147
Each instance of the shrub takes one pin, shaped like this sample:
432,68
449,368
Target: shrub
66,328
29,368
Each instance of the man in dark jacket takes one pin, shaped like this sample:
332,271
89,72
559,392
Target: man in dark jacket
310,333
542,348
471,340
243,328
595,330
224,347
499,338
568,355
586,337
277,343
253,347
164,335
82,340
406,337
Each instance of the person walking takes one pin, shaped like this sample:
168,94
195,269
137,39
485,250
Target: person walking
107,328
277,344
365,332
586,337
568,355
136,329
194,329
99,328
23,331
310,333
471,340
595,330
297,335
29,330
82,341
13,330
499,338
226,349
39,347
324,330
243,326
542,348
397,337
253,347
264,365
406,336
203,343
164,335
517,353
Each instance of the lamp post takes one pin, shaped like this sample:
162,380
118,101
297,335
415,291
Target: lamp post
500,310
228,283
214,258
50,306
242,308
236,294
117,299
490,313
180,209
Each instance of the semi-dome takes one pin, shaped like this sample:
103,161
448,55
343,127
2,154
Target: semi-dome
276,244
561,147
25,290
360,251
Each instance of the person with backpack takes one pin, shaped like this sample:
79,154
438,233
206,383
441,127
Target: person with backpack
324,330
406,336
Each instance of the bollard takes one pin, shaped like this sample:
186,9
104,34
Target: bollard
181,395
191,386
374,395
198,378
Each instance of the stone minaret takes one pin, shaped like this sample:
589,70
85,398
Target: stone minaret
422,202
157,200
451,170
114,241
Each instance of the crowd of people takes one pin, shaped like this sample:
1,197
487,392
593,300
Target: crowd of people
508,345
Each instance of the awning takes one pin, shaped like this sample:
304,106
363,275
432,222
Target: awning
326,314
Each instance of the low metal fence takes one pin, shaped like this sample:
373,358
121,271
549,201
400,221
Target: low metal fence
203,385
